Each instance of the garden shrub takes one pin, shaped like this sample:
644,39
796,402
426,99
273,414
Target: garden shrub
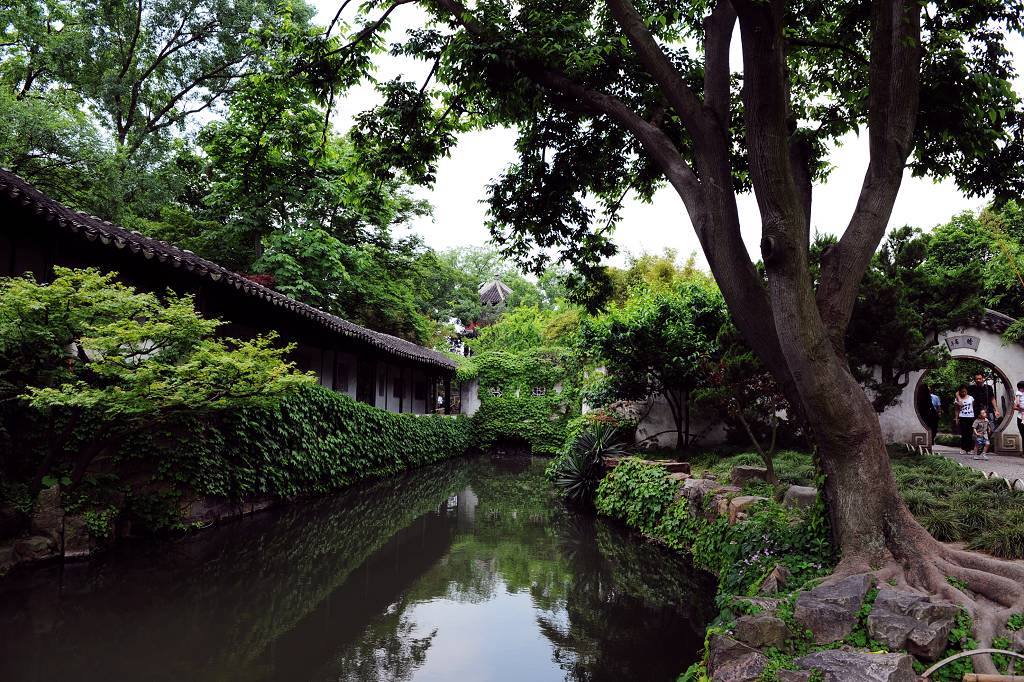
311,441
739,554
636,492
510,406
577,472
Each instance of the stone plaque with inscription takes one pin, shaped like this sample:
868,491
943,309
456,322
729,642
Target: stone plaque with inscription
965,341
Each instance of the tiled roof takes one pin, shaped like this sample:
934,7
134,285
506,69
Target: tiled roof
91,228
995,321
494,292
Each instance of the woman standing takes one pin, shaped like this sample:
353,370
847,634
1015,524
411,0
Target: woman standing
927,409
965,419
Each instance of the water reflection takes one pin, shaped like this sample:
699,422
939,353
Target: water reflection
466,570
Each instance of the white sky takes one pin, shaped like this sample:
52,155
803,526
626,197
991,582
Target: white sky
479,157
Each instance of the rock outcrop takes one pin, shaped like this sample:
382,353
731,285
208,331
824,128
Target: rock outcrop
762,631
776,580
830,611
732,661
741,475
838,665
738,506
911,621
800,496
48,515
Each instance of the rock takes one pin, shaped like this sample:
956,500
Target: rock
776,580
695,489
742,475
794,676
762,630
34,548
851,666
720,506
47,515
210,510
768,605
830,611
676,467
679,477
12,522
911,621
731,661
7,558
741,504
800,496
78,542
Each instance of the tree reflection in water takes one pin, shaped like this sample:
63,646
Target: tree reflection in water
466,570
609,605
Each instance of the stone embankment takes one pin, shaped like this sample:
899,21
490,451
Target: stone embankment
813,628
899,620
53,533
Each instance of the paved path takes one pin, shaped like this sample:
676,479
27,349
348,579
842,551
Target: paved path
1008,466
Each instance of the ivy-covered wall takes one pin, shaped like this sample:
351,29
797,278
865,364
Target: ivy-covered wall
524,395
312,441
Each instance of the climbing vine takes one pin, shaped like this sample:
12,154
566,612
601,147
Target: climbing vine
311,441
527,395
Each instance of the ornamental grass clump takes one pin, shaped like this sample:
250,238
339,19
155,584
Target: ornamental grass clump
958,504
578,472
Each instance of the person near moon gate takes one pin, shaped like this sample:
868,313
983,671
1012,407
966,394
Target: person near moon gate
1018,409
928,410
964,411
984,397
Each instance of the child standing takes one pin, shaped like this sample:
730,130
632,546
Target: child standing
982,435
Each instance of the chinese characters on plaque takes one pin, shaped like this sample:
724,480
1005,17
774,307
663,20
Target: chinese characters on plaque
963,341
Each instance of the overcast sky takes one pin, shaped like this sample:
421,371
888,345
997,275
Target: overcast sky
459,211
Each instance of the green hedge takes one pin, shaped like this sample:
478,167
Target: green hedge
534,419
313,441
740,555
539,420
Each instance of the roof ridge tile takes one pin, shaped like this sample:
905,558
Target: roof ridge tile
92,227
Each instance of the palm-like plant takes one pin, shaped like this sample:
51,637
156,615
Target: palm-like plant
578,472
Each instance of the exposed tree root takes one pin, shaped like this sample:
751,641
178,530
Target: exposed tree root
994,587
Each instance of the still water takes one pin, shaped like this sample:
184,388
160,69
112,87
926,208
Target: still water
467,571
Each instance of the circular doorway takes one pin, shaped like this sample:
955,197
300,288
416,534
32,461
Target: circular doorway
944,382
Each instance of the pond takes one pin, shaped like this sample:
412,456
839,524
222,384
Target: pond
467,570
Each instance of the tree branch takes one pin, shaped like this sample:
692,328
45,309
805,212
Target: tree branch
657,64
717,76
654,140
130,56
828,45
337,16
370,29
766,108
892,116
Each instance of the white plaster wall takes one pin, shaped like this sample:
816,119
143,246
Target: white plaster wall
469,394
346,364
659,419
326,369
900,423
383,385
